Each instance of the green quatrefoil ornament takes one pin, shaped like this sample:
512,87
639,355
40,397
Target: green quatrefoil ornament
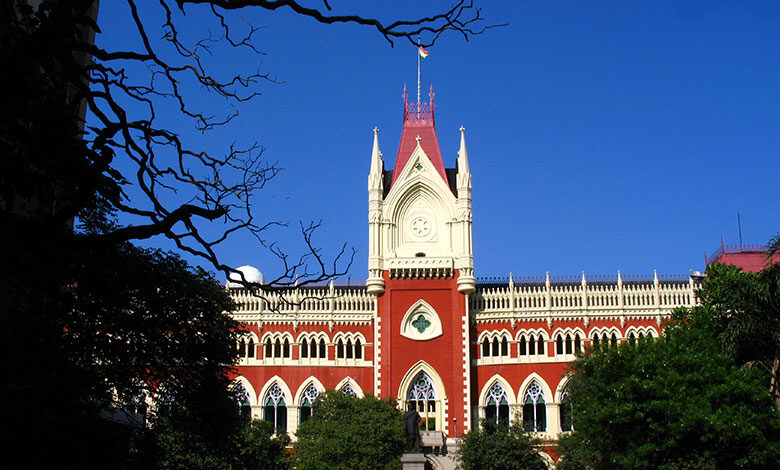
421,323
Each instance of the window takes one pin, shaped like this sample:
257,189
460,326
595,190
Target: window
422,393
566,411
323,351
504,347
568,344
485,347
534,411
340,349
274,409
304,348
577,343
349,349
244,408
268,348
358,349
595,341
632,339
613,342
497,405
306,409
250,348
286,347
348,390
523,347
277,348
559,344
495,347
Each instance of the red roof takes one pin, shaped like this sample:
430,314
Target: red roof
418,121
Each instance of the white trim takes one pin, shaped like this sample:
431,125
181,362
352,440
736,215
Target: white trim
250,390
352,383
304,385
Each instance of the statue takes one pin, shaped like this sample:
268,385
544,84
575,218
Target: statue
411,420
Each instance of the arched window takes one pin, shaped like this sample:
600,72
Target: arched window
244,408
304,348
323,351
495,347
241,348
504,347
286,347
422,393
274,409
577,343
568,344
349,349
268,348
348,390
358,349
632,339
532,345
497,405
534,411
340,349
523,348
641,336
250,348
613,342
595,341
485,347
559,344
310,395
566,411
277,348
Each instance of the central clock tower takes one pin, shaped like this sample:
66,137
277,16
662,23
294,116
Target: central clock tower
421,270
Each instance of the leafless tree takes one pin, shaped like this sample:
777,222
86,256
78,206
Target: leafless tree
173,187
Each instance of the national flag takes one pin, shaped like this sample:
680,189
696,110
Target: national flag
423,53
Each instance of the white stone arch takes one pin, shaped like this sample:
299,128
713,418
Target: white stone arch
421,196
561,386
304,385
250,390
352,383
510,394
421,307
288,396
438,384
536,332
548,395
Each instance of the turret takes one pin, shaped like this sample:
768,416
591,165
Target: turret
465,259
375,283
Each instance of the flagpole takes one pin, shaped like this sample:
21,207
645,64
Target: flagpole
418,76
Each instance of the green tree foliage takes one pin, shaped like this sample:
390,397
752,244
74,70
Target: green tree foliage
746,316
496,447
346,432
676,402
251,446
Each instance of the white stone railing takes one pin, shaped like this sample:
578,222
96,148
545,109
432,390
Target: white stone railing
582,299
306,304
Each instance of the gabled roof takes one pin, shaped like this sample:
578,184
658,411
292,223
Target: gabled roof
418,121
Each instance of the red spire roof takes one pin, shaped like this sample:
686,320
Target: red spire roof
418,120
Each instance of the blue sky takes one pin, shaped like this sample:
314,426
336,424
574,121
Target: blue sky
601,135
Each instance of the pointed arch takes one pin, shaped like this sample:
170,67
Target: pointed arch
497,378
250,390
304,385
352,383
531,377
433,407
288,396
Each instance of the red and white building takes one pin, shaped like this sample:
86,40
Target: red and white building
422,328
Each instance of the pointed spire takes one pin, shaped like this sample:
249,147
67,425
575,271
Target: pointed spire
376,155
463,159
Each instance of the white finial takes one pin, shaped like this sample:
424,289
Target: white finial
418,139
376,155
463,158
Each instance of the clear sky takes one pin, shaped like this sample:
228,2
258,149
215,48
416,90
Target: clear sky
601,135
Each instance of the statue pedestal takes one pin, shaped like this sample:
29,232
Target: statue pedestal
413,461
